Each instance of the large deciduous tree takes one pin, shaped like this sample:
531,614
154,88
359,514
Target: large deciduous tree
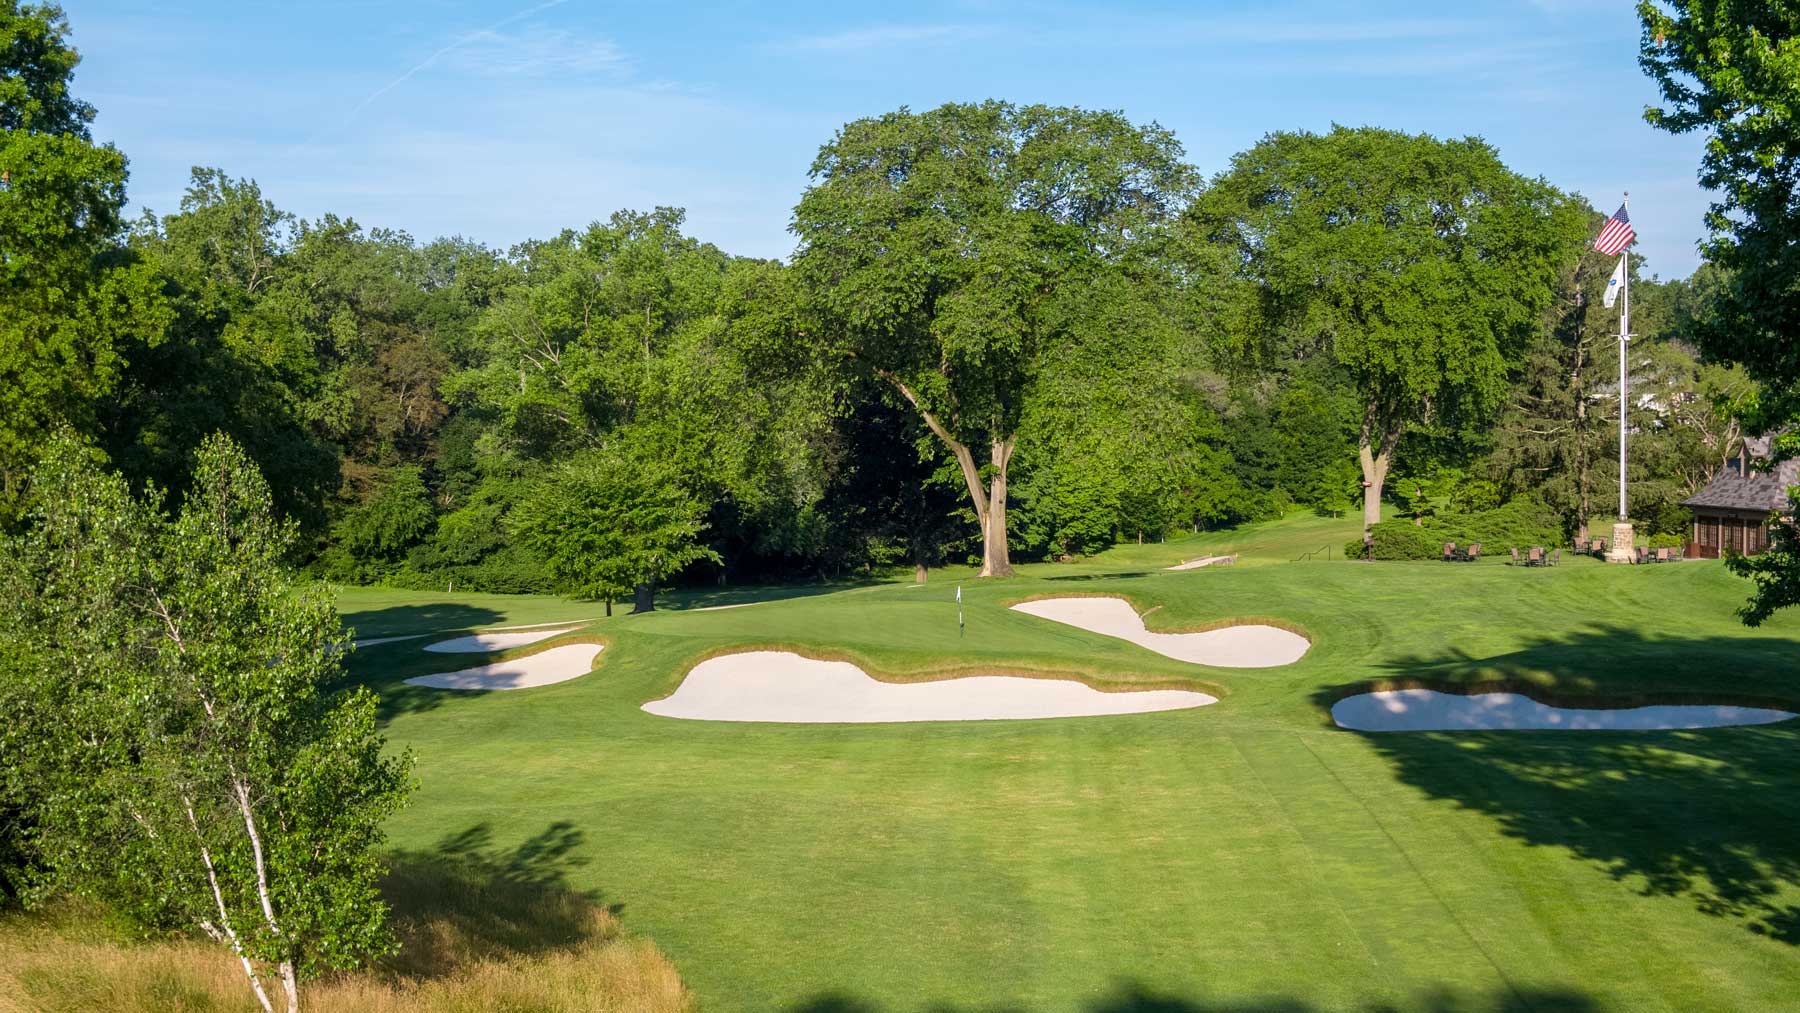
1422,265
168,712
72,303
1730,70
941,250
612,521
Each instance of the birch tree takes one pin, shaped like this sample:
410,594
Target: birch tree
171,716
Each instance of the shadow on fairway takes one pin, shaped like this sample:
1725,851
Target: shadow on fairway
683,599
1706,814
1134,997
401,620
466,900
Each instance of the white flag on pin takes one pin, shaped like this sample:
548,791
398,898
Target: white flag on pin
1614,284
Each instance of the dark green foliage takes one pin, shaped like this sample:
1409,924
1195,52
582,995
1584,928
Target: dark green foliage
390,522
73,305
1522,523
609,521
1315,433
1726,70
1776,571
36,62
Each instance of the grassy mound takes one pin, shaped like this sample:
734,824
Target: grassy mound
478,930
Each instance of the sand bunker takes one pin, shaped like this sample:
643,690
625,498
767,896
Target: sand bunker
491,641
558,664
374,641
1249,646
1195,564
1427,710
781,686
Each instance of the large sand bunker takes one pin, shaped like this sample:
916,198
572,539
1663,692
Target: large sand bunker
1248,646
490,640
558,664
1427,710
785,687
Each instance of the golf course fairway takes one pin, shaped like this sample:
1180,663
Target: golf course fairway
1246,855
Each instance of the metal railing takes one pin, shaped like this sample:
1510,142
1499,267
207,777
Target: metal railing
1307,557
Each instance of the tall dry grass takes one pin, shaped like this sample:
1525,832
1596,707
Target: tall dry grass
477,933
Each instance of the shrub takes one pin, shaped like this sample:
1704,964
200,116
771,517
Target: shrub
1522,522
1402,539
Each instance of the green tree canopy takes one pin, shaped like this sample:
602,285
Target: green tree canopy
36,62
1731,71
610,521
71,306
945,250
1422,266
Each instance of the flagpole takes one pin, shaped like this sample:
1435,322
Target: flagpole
1624,336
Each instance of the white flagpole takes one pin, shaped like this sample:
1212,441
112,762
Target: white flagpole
1624,336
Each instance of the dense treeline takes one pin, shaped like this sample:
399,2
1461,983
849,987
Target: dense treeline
1006,333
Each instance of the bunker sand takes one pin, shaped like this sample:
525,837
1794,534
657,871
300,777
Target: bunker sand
1428,710
1247,646
779,686
558,664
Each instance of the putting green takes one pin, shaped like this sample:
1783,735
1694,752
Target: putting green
1244,855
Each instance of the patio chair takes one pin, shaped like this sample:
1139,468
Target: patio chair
1474,552
1662,555
1515,555
1535,557
1556,556
1643,554
1449,551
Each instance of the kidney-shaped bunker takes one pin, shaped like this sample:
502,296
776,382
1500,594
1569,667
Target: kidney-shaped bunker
1252,645
781,686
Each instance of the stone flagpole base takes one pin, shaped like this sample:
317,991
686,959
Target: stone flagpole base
1621,550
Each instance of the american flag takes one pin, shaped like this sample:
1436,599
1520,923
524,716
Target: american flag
1616,235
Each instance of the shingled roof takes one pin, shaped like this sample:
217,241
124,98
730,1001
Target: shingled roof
1760,493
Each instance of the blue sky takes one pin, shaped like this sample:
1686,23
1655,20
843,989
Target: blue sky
508,120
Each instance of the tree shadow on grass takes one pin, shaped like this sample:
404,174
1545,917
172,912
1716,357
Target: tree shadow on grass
1136,997
1704,814
402,620
466,900
687,599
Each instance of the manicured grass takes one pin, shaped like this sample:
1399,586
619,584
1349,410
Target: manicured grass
1247,855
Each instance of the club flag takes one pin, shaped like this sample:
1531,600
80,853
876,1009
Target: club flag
1616,234
1614,284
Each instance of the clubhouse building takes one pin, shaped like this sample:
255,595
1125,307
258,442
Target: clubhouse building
1733,510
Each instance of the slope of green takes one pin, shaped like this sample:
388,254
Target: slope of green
1247,855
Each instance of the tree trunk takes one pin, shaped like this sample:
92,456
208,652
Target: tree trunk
990,502
996,559
609,606
920,573
645,599
1374,450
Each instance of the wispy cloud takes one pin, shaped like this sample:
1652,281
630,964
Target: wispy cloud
537,51
885,37
447,50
